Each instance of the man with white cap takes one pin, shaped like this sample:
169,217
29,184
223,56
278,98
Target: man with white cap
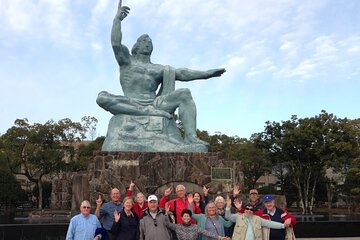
153,223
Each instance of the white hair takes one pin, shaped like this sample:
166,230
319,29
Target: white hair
180,187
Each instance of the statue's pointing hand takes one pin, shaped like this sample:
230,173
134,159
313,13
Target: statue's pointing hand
123,12
216,72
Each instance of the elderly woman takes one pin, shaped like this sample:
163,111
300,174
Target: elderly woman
188,231
220,210
209,221
126,225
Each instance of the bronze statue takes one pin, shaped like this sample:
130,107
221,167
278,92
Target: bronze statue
140,79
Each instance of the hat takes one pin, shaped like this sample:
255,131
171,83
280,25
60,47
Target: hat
152,198
253,191
268,198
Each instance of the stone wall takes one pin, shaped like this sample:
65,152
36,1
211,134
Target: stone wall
152,173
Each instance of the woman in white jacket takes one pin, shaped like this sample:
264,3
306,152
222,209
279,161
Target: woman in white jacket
247,225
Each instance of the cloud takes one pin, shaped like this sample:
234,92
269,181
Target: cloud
38,20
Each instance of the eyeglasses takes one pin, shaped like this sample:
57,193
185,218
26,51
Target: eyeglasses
155,223
249,208
86,207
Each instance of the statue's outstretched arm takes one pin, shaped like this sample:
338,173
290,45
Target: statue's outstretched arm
121,52
184,74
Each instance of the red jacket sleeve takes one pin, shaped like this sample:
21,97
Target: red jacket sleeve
287,216
163,201
129,193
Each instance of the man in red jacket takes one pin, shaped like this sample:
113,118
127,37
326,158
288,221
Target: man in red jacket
273,213
178,204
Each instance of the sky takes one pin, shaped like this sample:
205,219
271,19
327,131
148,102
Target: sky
282,58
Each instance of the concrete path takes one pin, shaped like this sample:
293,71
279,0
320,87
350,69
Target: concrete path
344,238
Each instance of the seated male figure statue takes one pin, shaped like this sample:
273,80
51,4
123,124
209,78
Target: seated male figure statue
140,79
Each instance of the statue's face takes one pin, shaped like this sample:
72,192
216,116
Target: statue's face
145,45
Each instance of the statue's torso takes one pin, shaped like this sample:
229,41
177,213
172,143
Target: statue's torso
140,80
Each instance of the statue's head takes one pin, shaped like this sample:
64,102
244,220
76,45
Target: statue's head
143,45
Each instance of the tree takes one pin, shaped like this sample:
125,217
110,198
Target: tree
255,162
307,147
39,149
10,190
84,153
46,193
89,123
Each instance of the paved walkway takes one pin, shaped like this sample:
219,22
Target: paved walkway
343,238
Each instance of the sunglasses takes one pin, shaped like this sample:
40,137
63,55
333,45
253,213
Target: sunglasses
86,207
155,223
249,208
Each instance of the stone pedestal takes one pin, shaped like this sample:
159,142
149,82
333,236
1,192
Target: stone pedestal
146,134
153,172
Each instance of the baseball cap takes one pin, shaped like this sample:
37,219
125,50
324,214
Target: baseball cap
268,198
152,198
253,191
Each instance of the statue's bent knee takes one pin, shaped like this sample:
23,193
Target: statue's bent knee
184,94
102,98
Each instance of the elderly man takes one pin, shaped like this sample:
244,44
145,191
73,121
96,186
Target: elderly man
273,213
254,200
105,211
178,204
249,226
153,223
83,225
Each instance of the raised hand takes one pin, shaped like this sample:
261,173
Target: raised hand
99,200
190,198
228,201
132,185
116,216
205,190
122,12
167,207
236,190
168,191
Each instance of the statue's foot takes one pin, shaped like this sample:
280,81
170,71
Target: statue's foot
157,112
193,139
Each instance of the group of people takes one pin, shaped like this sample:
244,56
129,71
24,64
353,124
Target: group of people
186,217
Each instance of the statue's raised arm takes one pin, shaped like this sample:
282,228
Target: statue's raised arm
121,52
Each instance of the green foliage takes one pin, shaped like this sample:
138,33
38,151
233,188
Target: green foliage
84,153
305,148
290,191
34,150
10,189
46,193
267,190
89,124
255,162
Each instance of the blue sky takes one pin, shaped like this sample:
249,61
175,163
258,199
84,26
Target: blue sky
281,57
